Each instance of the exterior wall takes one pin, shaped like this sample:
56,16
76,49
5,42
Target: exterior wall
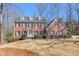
36,27
56,30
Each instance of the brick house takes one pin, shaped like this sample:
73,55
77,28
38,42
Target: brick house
28,26
31,26
56,28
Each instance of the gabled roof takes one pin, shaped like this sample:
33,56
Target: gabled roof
59,20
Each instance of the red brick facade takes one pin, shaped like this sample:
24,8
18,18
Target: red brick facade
57,27
32,26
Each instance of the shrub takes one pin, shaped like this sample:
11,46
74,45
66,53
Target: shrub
40,35
9,37
75,33
22,37
37,36
44,36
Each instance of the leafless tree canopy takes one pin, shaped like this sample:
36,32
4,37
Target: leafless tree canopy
41,8
10,12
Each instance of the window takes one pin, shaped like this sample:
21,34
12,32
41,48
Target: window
17,33
36,33
24,33
17,24
30,32
24,25
60,33
52,32
29,25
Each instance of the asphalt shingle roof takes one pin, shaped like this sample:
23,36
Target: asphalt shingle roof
30,19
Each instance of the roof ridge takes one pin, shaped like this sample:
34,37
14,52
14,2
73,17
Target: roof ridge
59,19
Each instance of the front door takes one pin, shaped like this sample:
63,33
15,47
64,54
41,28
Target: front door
30,33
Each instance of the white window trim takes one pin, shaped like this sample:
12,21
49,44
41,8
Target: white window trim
17,33
17,25
29,25
24,25
30,32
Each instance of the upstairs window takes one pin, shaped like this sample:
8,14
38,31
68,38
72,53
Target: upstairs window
29,25
24,25
17,24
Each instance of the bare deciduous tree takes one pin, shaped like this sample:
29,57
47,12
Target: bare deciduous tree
69,10
41,9
10,12
69,17
77,9
1,29
53,10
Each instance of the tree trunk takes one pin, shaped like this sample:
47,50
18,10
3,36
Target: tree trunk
1,28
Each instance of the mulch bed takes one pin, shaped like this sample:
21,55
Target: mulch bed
16,52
